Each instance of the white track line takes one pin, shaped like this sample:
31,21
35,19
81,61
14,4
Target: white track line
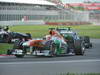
52,62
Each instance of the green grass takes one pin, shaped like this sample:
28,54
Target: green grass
4,47
42,30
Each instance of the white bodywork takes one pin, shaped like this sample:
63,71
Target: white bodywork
18,52
44,53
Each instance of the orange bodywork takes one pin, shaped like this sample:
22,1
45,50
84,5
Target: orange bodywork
37,43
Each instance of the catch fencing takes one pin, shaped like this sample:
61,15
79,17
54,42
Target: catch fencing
95,18
63,16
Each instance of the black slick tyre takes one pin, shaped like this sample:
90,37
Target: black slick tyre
79,47
19,56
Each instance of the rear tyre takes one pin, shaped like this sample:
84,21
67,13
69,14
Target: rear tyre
91,45
79,47
87,42
7,38
87,39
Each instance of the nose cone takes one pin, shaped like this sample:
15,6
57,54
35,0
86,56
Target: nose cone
30,43
36,42
26,44
33,43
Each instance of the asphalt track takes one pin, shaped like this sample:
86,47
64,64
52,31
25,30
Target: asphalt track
30,65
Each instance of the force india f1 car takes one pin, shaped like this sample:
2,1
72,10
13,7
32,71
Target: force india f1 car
59,42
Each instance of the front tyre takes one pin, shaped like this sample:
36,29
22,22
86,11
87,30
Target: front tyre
52,50
19,56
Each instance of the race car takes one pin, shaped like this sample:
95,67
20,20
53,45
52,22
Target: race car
71,35
9,37
53,44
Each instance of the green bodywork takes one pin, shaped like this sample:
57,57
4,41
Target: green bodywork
59,49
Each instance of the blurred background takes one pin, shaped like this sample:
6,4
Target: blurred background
33,12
